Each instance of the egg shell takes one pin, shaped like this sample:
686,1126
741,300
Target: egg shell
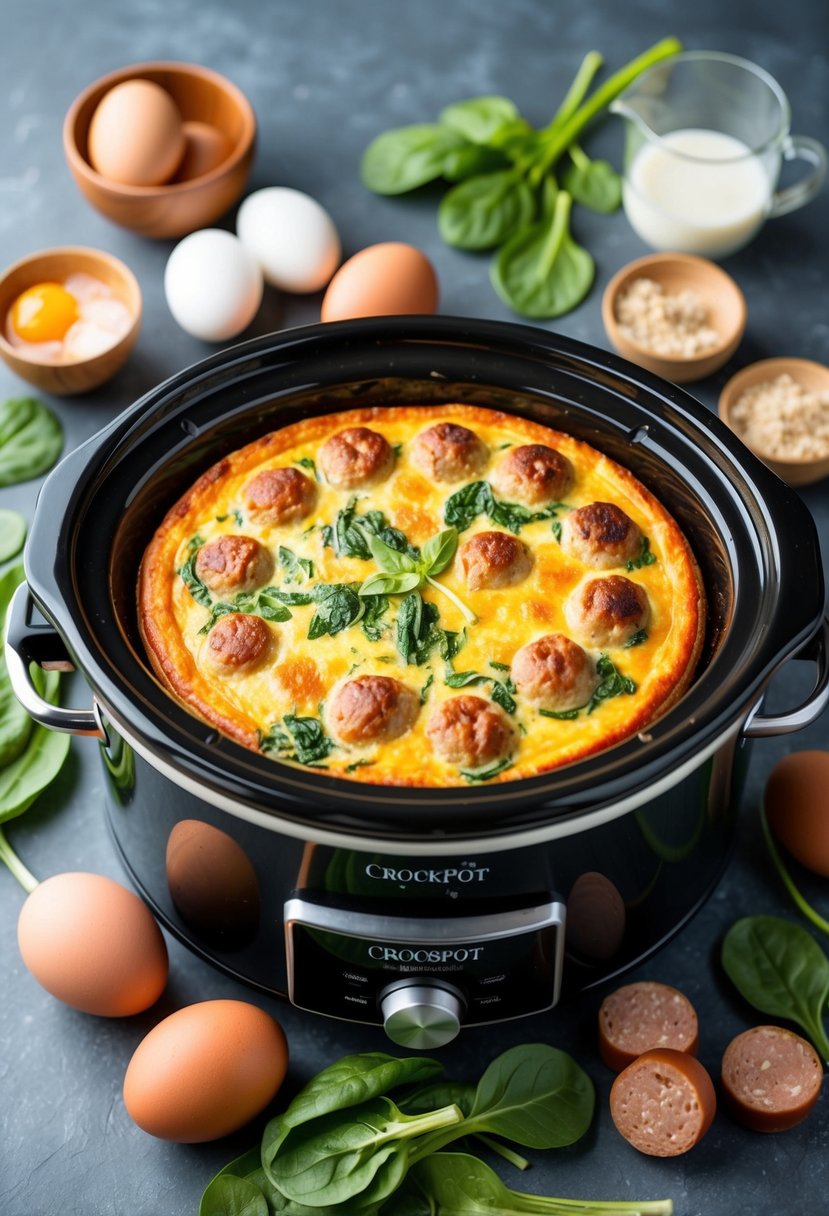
213,285
389,279
291,236
797,807
205,147
93,944
135,136
205,1071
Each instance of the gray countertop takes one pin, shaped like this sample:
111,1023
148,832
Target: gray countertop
324,77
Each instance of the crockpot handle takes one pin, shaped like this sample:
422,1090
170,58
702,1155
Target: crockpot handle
762,725
37,642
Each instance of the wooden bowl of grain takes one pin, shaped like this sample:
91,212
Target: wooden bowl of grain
780,409
675,314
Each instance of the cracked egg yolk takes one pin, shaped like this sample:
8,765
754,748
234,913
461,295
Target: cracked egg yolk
44,313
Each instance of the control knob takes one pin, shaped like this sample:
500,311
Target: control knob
420,1014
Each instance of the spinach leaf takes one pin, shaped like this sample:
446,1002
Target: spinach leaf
501,691
335,1158
475,775
471,160
13,530
482,211
502,695
372,620
417,632
781,970
31,439
462,679
613,683
300,739
593,183
15,723
308,463
350,534
230,1195
465,505
479,118
456,1184
337,607
293,599
267,602
407,157
187,572
427,684
355,1079
235,515
298,569
644,558
637,639
439,1093
563,715
541,272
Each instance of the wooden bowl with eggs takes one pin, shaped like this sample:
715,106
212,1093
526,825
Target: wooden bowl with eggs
162,148
69,318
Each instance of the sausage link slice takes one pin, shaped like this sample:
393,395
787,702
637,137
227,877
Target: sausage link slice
663,1103
643,1015
770,1078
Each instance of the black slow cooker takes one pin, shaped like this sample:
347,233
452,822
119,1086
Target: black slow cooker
420,910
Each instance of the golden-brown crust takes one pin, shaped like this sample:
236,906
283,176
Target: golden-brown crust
303,674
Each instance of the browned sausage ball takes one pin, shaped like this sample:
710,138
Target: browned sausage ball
448,452
372,708
280,496
238,642
233,563
554,673
533,474
607,611
601,535
356,457
494,559
470,732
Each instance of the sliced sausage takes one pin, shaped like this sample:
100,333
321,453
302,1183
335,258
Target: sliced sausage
356,457
554,673
601,535
238,642
448,452
607,611
370,708
643,1015
232,563
470,732
533,474
280,496
663,1103
494,559
771,1078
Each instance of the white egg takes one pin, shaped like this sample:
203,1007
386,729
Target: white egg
291,236
213,285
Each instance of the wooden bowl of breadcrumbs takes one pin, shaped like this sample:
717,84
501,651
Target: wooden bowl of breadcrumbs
780,409
674,314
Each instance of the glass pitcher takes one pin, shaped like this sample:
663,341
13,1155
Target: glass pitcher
706,134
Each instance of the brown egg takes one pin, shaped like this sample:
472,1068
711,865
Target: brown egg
383,280
135,136
797,807
205,1071
93,944
205,147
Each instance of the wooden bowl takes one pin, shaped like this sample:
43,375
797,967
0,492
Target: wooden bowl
178,206
676,272
55,265
800,471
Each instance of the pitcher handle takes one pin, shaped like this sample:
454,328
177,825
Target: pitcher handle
800,147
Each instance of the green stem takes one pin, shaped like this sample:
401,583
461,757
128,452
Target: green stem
467,613
588,1207
578,156
495,1146
558,231
421,1125
26,879
787,880
562,136
576,93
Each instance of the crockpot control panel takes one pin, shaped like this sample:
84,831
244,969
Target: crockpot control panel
423,977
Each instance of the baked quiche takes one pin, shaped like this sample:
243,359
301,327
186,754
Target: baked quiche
422,595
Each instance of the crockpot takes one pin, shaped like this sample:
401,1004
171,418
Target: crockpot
419,909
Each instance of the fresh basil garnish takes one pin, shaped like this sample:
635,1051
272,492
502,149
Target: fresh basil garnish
401,573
